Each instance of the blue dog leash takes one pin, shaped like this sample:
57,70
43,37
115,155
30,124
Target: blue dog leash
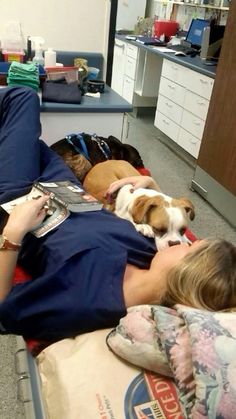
80,146
78,143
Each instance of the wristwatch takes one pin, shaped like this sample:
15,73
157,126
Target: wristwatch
6,244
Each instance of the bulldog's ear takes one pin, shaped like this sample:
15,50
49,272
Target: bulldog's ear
188,206
141,207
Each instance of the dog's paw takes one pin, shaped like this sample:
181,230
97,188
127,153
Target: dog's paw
145,230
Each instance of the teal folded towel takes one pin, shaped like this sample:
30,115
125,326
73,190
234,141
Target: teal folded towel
24,75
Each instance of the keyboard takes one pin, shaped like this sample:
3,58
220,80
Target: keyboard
184,48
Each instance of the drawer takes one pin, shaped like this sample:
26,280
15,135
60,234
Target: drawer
199,83
189,143
174,72
170,109
173,91
196,104
164,124
131,51
128,89
120,44
193,124
130,67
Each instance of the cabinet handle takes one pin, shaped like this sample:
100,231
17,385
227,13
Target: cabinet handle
127,81
193,142
127,133
200,103
174,67
203,81
165,122
196,123
169,105
119,45
171,87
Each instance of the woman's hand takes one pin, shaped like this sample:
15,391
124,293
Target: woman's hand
25,217
135,181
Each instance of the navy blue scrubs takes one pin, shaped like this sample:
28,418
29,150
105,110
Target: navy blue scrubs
78,268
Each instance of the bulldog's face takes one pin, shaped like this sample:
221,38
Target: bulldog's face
168,217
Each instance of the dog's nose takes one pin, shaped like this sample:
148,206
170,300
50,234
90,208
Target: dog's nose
173,243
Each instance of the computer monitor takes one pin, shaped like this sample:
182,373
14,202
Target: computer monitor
211,42
195,32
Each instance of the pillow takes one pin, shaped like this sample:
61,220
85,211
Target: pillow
213,341
176,343
135,339
196,346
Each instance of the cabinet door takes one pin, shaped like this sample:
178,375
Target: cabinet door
130,67
118,67
128,89
175,72
170,109
164,124
128,12
193,124
173,91
189,142
196,104
199,83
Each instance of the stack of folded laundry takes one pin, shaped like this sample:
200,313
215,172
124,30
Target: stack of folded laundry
24,75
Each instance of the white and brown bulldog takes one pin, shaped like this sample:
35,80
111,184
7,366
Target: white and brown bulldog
153,213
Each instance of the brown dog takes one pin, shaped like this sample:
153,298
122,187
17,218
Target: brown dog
153,213
99,178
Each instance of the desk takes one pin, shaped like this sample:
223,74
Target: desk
194,63
104,116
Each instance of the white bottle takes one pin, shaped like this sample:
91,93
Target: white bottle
50,59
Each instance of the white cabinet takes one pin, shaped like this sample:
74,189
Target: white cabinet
118,68
136,73
124,69
130,72
182,105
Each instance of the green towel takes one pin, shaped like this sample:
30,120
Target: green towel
24,75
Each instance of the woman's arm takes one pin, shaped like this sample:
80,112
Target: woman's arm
24,218
135,181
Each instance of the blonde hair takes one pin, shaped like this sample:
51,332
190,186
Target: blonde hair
205,278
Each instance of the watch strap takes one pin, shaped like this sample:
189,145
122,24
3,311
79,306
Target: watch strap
9,245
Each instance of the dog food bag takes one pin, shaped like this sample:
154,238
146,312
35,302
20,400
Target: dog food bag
81,378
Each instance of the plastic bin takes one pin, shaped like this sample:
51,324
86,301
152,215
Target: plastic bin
10,56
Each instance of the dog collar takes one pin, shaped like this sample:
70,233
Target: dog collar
78,143
103,146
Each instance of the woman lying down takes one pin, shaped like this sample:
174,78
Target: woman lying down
90,269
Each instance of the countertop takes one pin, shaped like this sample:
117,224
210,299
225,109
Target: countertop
194,63
109,102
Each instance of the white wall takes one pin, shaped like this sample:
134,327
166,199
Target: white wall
73,25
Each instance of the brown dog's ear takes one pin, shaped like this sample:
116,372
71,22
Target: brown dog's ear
141,206
189,207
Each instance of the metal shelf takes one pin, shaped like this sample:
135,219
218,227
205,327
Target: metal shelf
204,6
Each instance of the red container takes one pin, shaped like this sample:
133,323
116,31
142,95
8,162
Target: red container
167,27
10,56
